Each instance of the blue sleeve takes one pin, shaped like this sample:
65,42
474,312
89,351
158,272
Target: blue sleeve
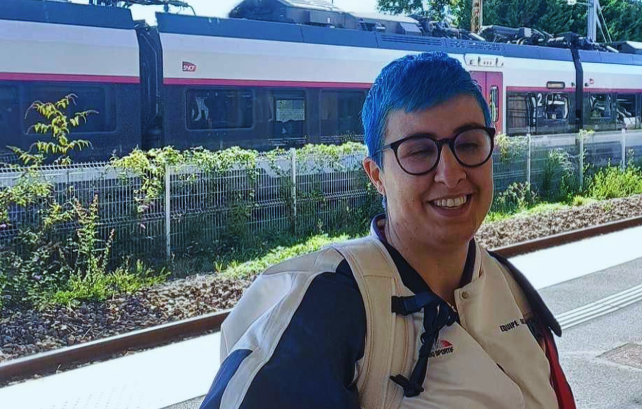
313,364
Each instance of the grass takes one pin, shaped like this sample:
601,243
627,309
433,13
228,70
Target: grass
272,249
281,253
101,287
234,268
539,208
583,201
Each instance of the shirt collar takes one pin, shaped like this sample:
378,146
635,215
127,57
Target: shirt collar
409,276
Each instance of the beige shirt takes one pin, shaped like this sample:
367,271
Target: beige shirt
490,359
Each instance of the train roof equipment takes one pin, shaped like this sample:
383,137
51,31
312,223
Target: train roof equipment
323,14
310,12
628,47
320,22
129,3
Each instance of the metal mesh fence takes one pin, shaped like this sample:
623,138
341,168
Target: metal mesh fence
287,195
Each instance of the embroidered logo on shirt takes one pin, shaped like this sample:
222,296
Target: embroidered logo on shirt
512,325
442,347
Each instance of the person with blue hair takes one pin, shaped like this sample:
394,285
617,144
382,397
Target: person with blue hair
415,315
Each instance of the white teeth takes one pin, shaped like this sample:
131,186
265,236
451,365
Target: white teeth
451,203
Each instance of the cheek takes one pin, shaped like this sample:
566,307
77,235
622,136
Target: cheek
404,191
483,180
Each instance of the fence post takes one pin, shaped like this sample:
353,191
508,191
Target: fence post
293,176
623,143
581,160
168,240
528,159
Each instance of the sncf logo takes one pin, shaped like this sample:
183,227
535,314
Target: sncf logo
442,347
188,67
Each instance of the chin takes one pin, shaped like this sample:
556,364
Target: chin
452,239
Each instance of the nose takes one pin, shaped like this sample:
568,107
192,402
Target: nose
449,171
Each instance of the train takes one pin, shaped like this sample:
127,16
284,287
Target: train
283,73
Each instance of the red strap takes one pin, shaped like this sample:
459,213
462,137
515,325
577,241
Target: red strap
563,391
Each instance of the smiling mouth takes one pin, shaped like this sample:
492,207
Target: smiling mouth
451,203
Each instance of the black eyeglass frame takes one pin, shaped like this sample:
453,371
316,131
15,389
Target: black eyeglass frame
394,146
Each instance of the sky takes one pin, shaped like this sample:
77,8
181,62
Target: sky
220,8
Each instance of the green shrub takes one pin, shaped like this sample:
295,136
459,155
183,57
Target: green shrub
511,148
517,197
613,182
560,180
57,249
43,267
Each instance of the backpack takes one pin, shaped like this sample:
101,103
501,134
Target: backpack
390,343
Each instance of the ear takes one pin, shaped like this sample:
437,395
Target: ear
375,174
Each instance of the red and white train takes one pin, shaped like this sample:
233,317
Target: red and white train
299,78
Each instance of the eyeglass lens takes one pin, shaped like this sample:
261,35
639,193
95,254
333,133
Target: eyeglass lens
419,155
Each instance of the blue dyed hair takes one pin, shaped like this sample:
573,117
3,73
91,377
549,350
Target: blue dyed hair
414,83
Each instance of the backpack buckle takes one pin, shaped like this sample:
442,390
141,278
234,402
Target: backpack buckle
410,388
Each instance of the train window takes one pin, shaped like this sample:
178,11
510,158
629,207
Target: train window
219,109
556,106
340,113
494,103
626,111
600,106
86,98
289,115
9,110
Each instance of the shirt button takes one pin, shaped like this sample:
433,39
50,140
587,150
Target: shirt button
465,295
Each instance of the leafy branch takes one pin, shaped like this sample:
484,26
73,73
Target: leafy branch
58,125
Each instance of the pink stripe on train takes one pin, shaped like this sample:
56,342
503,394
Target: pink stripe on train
265,83
112,79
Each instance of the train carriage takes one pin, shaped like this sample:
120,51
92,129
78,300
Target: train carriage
291,73
260,84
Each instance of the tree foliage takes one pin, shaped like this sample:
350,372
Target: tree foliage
551,16
623,17
436,9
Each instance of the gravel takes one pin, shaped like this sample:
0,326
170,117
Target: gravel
524,228
26,332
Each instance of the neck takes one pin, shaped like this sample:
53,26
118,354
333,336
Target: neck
441,268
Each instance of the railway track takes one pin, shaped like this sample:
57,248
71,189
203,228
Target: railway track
52,361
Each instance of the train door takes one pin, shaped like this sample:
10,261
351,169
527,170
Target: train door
491,84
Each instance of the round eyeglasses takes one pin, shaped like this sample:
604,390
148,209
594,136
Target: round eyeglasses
419,154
